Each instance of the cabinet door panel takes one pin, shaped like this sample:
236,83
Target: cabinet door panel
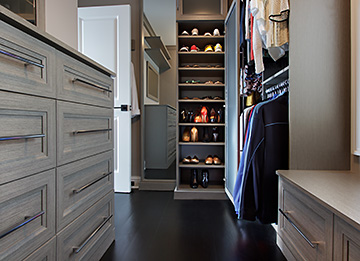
24,116
75,242
47,252
26,64
82,131
30,199
81,184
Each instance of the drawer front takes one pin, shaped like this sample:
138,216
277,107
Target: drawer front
28,204
346,241
312,219
78,82
75,242
81,184
171,147
45,253
171,133
82,131
22,153
27,65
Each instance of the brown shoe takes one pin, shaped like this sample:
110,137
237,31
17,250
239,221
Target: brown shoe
187,160
186,135
194,160
209,160
217,161
194,134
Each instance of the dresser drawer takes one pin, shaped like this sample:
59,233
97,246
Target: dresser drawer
26,64
80,83
79,240
45,253
312,219
27,135
81,184
82,131
27,214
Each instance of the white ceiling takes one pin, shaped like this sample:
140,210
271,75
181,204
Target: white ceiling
162,17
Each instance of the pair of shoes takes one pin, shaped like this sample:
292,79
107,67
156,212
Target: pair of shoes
194,178
194,48
214,136
212,160
218,48
216,33
184,49
190,135
194,32
189,160
192,81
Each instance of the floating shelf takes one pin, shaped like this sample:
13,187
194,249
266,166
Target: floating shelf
200,85
202,143
203,124
201,53
277,77
155,42
201,165
201,69
201,101
159,58
200,37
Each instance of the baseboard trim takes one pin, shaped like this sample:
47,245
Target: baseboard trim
157,185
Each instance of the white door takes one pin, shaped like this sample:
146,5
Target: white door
105,36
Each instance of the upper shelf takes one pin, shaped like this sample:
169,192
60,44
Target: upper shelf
277,77
155,42
159,58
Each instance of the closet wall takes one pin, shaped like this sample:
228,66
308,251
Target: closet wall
320,84
136,28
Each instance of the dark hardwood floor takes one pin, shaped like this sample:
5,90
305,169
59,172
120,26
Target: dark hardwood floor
153,226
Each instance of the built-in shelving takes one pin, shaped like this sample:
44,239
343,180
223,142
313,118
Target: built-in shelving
201,165
201,53
277,77
202,37
201,101
200,85
155,43
203,124
159,58
202,143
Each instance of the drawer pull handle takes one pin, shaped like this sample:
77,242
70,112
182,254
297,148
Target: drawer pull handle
27,220
89,131
26,61
31,136
91,84
312,244
76,191
78,249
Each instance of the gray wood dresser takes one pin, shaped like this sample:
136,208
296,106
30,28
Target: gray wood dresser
56,145
319,216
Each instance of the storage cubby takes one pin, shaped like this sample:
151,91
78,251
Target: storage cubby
201,83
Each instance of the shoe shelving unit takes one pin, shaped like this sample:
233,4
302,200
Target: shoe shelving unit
202,67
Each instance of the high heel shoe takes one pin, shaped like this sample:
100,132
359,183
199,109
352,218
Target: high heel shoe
204,178
194,134
221,115
204,115
193,179
183,116
186,135
213,116
215,134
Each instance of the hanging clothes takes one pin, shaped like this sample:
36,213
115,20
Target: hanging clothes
265,151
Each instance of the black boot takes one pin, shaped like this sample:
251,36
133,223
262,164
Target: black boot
193,179
205,178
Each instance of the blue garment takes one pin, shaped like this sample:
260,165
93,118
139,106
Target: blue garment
266,150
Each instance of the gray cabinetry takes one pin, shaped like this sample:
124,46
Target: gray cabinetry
201,9
56,146
160,136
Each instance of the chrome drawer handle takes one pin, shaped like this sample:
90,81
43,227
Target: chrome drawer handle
91,84
89,131
26,61
31,136
27,220
76,191
312,244
78,249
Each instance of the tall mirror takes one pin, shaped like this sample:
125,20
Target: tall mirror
159,117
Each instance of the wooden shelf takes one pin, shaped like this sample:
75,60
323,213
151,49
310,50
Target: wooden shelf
201,69
201,53
200,85
201,165
155,43
213,192
201,101
202,143
200,37
159,58
203,124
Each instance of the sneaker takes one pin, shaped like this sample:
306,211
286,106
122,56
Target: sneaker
216,32
185,33
209,48
194,48
184,49
195,31
207,34
218,48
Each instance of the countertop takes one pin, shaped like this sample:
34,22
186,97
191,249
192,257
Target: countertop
23,25
339,191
